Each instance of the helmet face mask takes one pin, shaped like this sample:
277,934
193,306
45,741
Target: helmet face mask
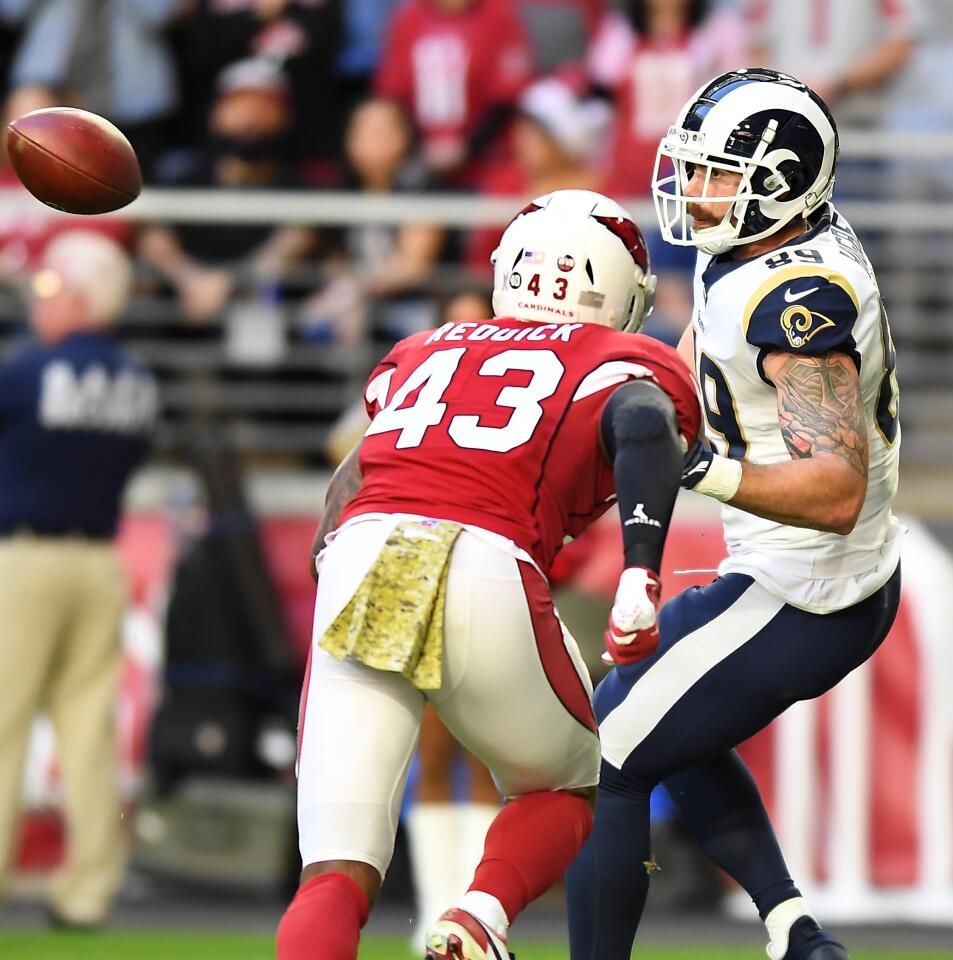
574,256
767,127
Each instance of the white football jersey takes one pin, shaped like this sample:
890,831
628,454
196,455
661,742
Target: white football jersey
814,295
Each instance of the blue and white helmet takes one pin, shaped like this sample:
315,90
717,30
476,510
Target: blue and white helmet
769,127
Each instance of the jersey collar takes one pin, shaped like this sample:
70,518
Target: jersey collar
724,264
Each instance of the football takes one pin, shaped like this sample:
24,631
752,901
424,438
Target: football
73,160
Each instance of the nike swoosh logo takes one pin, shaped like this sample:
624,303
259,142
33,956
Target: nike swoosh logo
790,296
698,467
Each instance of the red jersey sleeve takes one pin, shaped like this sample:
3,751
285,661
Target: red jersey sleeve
656,361
377,389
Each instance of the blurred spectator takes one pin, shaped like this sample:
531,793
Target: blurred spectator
249,125
458,67
845,50
108,56
76,412
922,103
560,30
651,55
556,139
302,37
365,26
378,278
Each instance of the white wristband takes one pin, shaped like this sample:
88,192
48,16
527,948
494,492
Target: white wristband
722,479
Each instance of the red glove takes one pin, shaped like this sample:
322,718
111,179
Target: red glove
633,623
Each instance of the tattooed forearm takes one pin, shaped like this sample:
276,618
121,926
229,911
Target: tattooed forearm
344,485
820,408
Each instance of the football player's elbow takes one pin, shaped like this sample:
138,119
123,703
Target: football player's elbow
846,508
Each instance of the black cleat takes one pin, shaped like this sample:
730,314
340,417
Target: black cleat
809,941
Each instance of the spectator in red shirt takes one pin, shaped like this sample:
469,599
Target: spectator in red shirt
457,66
556,139
651,55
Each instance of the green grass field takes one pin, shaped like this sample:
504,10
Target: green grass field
40,945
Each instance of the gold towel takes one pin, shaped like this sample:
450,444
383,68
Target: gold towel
394,621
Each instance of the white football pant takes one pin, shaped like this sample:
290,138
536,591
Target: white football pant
514,692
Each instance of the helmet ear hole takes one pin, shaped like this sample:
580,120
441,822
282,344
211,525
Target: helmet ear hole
589,273
794,176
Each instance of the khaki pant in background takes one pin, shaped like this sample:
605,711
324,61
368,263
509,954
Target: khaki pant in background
61,604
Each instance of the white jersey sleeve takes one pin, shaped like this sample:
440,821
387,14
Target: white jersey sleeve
815,295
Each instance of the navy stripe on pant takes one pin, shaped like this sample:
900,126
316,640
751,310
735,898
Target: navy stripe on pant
731,658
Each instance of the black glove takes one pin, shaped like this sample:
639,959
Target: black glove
697,461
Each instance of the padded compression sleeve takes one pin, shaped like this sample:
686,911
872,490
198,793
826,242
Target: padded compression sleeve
640,434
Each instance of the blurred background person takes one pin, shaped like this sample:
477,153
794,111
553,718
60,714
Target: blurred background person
302,37
649,56
458,67
378,275
108,56
365,24
556,142
848,51
245,147
76,415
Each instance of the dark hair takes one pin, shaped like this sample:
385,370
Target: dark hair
348,178
637,13
466,289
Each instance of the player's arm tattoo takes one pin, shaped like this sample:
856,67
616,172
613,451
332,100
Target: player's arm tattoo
344,485
820,409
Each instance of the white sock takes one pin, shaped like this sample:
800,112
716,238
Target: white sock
487,909
473,821
432,842
779,922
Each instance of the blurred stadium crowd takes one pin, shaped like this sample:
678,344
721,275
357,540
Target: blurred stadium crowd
504,98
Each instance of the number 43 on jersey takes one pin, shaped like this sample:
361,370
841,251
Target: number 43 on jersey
433,377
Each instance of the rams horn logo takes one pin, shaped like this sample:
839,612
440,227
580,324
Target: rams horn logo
801,325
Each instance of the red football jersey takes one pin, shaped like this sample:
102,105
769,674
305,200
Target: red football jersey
496,423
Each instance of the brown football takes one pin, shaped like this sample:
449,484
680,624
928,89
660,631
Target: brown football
73,160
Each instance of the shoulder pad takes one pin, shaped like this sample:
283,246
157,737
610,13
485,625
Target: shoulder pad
806,309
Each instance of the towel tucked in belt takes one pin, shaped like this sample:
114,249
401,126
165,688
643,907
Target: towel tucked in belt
394,621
